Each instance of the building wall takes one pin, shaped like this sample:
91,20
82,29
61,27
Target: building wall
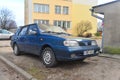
86,2
82,13
28,11
78,11
111,32
111,27
51,16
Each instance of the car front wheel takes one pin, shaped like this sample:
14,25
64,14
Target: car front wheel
48,57
81,60
16,50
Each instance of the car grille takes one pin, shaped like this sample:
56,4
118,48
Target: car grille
84,43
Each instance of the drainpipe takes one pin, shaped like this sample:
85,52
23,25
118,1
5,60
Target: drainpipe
98,17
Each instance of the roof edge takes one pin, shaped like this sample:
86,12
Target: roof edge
105,4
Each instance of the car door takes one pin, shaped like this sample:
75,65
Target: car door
32,39
21,39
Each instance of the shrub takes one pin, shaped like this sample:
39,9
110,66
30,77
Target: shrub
98,34
87,35
83,27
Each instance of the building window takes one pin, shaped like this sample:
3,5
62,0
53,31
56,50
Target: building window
58,9
63,24
42,8
41,21
65,10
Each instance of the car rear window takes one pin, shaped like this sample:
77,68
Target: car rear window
23,31
18,31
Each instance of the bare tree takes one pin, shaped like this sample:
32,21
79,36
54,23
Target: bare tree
83,27
5,17
11,25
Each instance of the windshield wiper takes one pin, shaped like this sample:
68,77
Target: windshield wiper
48,32
63,33
56,32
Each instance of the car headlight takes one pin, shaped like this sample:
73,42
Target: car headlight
70,43
93,43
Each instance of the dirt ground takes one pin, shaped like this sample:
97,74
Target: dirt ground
7,73
95,68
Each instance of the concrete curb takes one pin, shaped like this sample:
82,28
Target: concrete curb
109,56
17,69
5,46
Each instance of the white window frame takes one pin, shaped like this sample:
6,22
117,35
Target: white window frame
58,9
65,10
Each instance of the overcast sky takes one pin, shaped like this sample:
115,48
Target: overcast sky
104,1
17,7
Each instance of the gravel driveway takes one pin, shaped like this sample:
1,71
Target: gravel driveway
96,68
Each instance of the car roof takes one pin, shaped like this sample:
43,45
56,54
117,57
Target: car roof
27,25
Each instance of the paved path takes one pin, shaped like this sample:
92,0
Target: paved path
4,43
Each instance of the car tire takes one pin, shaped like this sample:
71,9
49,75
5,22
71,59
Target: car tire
16,50
48,57
81,60
10,37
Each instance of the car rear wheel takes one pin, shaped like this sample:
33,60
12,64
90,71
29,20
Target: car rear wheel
16,50
48,57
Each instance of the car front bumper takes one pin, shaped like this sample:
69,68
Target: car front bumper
75,53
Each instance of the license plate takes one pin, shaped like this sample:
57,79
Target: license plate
88,52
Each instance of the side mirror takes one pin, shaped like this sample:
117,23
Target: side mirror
31,32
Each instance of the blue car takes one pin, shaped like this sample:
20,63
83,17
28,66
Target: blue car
52,44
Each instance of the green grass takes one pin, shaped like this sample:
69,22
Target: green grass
36,73
112,50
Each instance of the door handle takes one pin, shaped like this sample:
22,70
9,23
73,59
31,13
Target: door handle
41,39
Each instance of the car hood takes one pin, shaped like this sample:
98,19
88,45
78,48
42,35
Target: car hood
70,37
76,38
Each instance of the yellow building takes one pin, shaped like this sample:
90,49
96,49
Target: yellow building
64,13
81,12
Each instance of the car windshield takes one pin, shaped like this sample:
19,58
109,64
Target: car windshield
51,29
5,31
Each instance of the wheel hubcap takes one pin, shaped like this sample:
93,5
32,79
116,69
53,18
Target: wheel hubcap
47,57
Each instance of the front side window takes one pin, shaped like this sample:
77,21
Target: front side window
65,10
32,28
58,9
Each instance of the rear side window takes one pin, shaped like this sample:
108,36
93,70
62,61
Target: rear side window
23,31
